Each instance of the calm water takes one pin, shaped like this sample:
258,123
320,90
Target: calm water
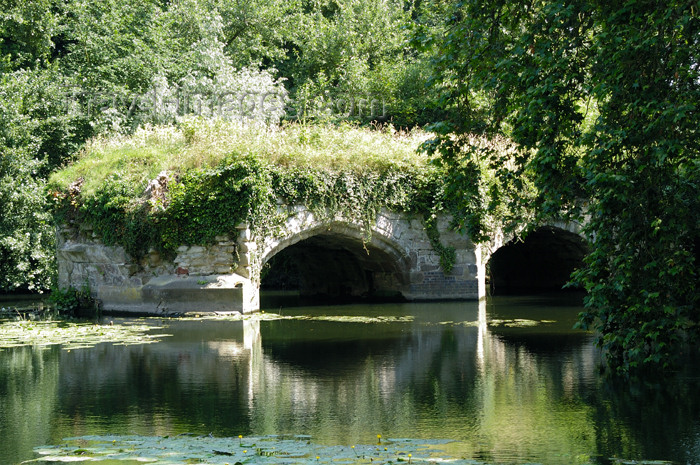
507,380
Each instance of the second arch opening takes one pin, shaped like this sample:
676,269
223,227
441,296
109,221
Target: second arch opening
540,263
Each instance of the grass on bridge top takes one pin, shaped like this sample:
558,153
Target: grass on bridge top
200,144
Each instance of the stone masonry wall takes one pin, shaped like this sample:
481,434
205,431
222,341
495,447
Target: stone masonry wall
83,259
198,278
427,279
402,237
225,276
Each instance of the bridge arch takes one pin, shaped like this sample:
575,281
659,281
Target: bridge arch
541,261
337,260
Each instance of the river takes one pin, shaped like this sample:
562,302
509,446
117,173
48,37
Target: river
506,380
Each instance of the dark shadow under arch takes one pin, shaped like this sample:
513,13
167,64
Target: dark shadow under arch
542,262
331,267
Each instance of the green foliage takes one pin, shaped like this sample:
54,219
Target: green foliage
447,254
206,203
112,45
351,59
26,31
73,302
65,301
257,31
142,62
357,196
37,118
117,216
603,115
484,189
339,60
26,228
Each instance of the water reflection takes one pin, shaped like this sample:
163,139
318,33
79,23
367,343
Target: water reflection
509,382
29,381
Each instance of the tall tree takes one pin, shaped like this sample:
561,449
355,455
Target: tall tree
601,100
26,227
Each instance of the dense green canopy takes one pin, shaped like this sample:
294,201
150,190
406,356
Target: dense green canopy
601,99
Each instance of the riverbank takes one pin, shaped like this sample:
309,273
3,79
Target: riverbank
22,306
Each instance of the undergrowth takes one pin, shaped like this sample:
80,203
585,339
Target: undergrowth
201,143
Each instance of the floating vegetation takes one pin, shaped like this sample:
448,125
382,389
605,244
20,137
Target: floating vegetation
519,323
617,461
263,316
187,449
473,323
359,319
74,335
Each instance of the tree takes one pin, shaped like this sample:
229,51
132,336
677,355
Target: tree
352,59
601,100
26,227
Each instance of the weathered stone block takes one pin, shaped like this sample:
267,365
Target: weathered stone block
245,234
198,261
190,258
416,224
457,271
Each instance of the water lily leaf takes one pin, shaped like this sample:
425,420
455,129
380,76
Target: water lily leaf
297,450
58,458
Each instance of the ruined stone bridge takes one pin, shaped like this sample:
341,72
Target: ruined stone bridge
334,258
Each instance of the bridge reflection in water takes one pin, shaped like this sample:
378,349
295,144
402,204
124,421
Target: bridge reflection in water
509,381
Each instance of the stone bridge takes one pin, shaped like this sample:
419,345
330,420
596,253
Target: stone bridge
334,258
